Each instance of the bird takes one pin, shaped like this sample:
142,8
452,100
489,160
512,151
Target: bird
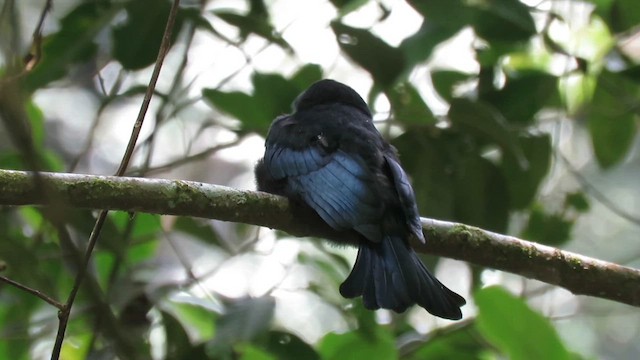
327,155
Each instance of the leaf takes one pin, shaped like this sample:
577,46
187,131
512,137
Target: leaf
287,346
445,81
136,42
549,229
306,75
250,352
408,106
178,345
484,121
36,125
460,344
384,62
347,6
522,183
578,201
631,73
18,308
623,15
237,104
243,321
353,345
524,95
73,43
272,96
450,13
611,118
510,325
425,157
76,346
257,24
419,46
442,20
480,194
503,21
195,319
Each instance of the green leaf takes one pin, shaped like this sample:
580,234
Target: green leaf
523,183
306,75
346,6
622,15
36,121
612,119
408,106
523,95
197,320
503,21
353,345
461,344
250,352
272,96
136,42
631,73
142,251
178,345
384,62
510,325
480,194
145,225
578,201
73,43
237,104
286,346
76,346
18,309
549,229
453,14
419,46
425,157
445,81
484,121
257,24
442,20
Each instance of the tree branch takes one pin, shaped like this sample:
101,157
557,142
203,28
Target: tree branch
579,274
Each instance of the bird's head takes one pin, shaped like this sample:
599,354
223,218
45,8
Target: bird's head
326,92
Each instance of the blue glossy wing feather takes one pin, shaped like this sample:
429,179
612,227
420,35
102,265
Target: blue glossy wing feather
285,162
336,185
407,197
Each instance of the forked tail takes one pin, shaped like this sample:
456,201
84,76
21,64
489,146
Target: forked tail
390,275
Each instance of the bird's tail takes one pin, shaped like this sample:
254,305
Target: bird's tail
390,275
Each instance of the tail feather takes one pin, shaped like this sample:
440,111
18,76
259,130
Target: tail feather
390,275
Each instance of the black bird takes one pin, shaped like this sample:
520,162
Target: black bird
329,156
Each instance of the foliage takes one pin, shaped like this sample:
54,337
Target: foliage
481,161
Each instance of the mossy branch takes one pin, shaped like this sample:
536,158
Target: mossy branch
579,274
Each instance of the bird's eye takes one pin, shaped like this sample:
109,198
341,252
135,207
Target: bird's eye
322,140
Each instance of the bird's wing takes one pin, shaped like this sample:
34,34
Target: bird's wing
407,197
336,185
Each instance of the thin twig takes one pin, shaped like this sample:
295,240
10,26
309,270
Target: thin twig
95,233
184,160
35,292
597,194
45,9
